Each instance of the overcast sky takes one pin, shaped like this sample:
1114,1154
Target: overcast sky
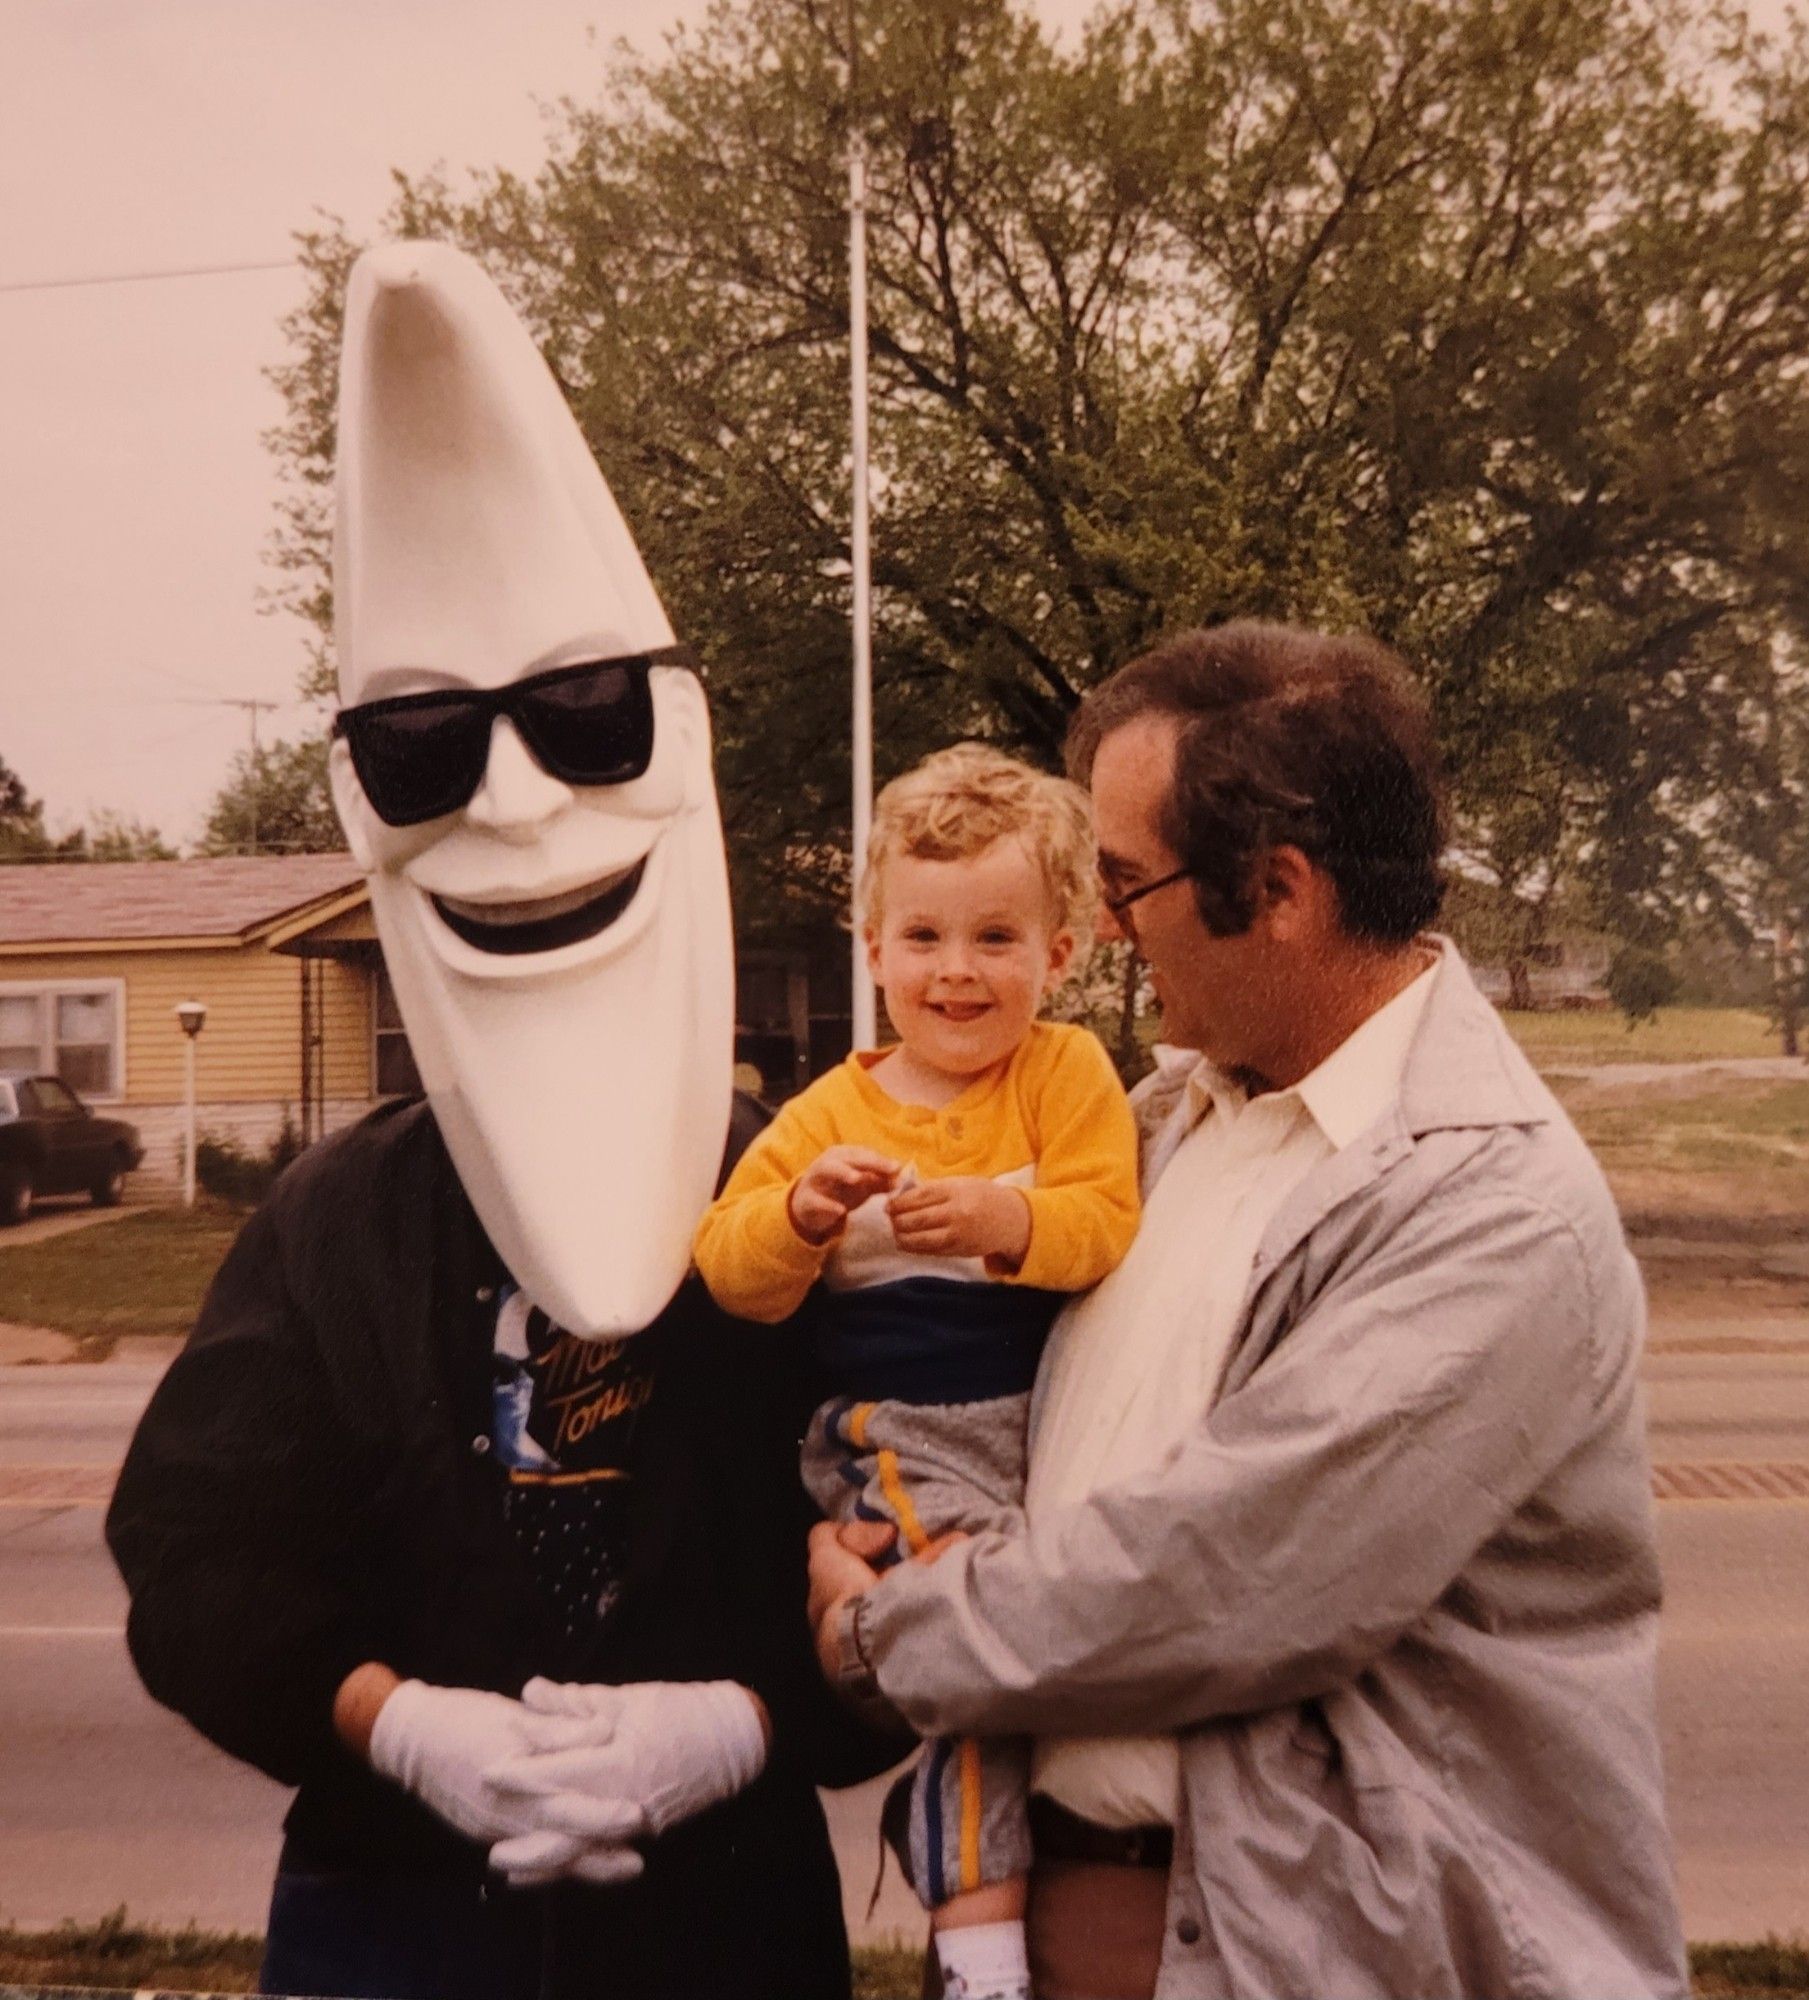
143,135
148,135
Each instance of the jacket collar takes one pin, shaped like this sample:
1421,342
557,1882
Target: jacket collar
1463,1068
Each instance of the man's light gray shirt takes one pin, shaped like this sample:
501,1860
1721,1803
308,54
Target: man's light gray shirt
1397,1593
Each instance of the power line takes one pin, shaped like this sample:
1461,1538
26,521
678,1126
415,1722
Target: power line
253,708
140,277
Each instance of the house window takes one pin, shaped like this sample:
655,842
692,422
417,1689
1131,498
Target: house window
72,1031
392,1060
19,1036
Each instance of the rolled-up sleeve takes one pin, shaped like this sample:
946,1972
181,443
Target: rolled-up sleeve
1320,1509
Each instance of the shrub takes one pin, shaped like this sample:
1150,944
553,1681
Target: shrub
1640,982
231,1172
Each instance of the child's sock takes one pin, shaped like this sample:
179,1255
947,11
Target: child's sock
984,1962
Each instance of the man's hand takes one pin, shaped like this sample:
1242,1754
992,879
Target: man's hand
841,1569
835,1183
838,1575
644,1757
963,1216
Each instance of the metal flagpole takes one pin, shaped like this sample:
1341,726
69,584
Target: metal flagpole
865,1014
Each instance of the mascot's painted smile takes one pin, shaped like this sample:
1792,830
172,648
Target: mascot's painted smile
547,923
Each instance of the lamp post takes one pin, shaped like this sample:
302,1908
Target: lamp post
191,1014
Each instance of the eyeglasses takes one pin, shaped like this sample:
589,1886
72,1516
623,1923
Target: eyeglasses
1120,905
419,756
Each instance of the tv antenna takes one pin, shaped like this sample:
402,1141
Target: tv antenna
253,709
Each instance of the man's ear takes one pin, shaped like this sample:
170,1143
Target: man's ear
1288,894
350,803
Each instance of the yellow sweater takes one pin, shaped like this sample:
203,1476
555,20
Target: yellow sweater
1053,1121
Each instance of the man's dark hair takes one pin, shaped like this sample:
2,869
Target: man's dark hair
1288,738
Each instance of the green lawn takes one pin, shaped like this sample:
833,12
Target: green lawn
118,1954
1736,1128
1676,1034
144,1274
1732,1153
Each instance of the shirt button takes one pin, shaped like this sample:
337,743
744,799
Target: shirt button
1188,1931
480,1446
485,1293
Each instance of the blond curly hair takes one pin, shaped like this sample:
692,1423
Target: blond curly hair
960,800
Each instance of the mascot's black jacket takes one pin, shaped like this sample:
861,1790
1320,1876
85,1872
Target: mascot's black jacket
312,1487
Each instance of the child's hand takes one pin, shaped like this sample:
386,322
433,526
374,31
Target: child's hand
836,1182
964,1216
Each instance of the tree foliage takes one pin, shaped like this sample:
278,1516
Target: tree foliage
1477,323
22,831
111,836
276,801
1640,981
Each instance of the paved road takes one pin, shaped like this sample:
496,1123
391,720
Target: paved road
1728,1407
104,1798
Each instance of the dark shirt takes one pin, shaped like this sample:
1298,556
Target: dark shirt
565,1413
314,1485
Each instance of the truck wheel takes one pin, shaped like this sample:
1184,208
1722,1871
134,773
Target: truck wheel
15,1196
106,1192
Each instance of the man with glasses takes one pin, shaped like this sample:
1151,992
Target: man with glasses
463,1510
1335,1618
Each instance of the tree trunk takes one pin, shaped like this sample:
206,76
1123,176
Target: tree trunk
1522,955
1787,983
1520,984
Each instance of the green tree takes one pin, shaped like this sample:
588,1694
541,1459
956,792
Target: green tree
22,833
276,801
1478,323
114,836
1640,982
1755,821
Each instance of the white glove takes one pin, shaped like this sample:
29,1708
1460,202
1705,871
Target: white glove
531,1860
437,1742
660,1750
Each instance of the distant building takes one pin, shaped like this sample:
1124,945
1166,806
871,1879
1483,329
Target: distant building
793,1015
94,957
1567,971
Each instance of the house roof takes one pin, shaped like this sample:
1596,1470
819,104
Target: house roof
103,902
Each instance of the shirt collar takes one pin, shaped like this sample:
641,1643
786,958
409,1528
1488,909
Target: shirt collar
1361,1077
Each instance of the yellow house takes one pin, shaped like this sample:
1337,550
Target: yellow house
95,956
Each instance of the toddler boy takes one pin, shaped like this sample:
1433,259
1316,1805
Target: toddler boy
948,1192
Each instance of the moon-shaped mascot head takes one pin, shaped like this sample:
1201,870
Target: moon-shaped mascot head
522,768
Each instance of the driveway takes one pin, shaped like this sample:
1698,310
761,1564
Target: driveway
58,1219
1725,1069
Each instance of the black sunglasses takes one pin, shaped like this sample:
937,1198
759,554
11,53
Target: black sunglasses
419,756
